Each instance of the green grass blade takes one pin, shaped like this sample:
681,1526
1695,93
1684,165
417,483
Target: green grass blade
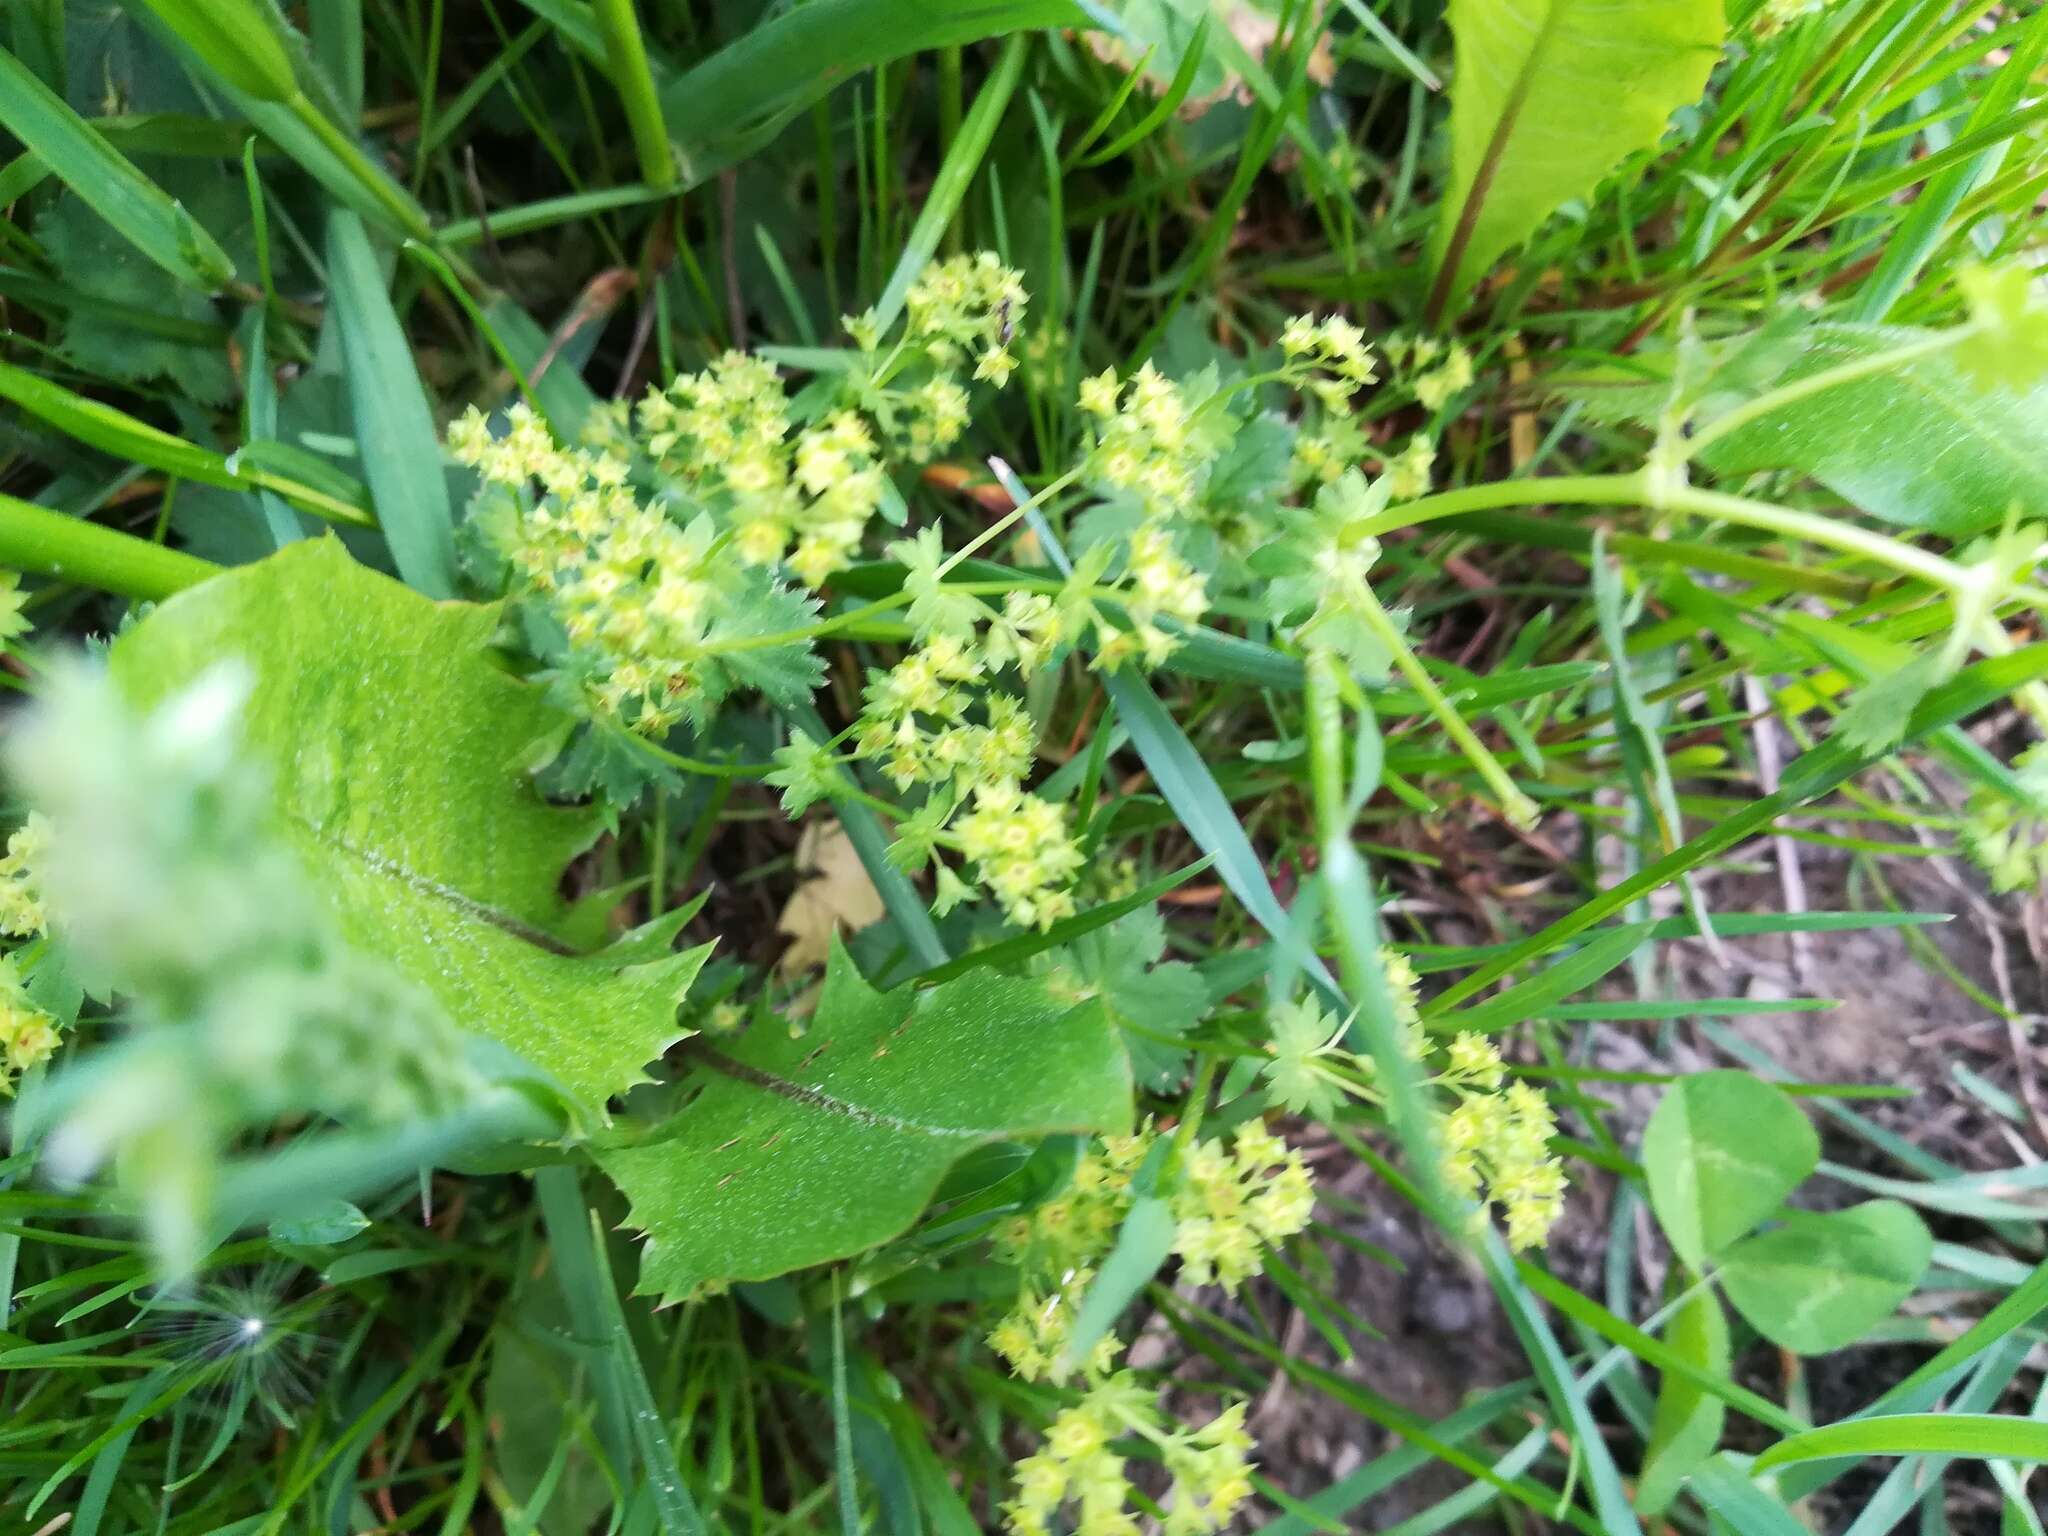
1547,987
1183,778
124,437
956,174
393,422
2016,1309
1739,1503
1653,1351
593,1298
133,205
792,59
626,55
34,538
1546,1357
1806,778
1985,1435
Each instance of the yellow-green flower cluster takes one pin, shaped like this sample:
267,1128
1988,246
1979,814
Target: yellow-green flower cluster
916,727
28,1035
2006,836
1328,358
1408,471
1228,1204
962,307
1435,370
915,724
1078,1465
1156,582
1496,1141
1321,456
1033,1335
633,592
1073,1230
21,903
723,435
1146,441
1023,852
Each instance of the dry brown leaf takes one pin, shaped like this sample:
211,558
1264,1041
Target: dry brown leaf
835,896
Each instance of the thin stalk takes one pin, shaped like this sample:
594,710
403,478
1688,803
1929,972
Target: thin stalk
1816,383
1641,488
34,538
1354,926
1520,809
626,51
387,193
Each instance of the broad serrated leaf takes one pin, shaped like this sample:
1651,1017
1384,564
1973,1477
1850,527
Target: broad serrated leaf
1549,96
396,749
1920,445
111,278
1822,1280
1721,1152
802,1150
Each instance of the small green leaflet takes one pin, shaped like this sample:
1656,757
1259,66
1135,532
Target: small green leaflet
1822,1280
800,1150
396,747
1687,1424
1721,1153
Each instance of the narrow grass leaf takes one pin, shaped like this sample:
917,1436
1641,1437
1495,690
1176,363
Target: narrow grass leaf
1548,987
132,205
1747,1510
393,421
1183,778
1015,951
956,174
746,91
1143,1243
1656,1352
1982,1435
1546,1357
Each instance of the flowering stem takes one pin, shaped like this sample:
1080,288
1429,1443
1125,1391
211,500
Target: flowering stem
995,529
1641,488
34,538
707,769
1520,809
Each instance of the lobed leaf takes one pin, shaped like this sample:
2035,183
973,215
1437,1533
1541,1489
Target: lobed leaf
397,749
803,1149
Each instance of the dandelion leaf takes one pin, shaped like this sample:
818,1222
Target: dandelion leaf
397,750
802,1149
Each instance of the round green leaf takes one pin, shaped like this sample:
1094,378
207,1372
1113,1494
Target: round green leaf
1721,1153
1822,1280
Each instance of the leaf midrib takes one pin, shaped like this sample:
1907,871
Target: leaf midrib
402,874
814,1098
1489,163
